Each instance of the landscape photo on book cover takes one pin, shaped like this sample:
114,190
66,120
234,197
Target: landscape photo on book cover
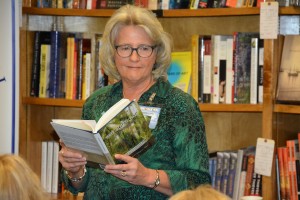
124,130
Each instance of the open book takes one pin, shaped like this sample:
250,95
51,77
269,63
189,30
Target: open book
122,129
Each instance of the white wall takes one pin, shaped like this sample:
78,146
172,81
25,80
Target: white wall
9,70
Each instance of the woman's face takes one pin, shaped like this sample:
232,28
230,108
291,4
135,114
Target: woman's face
134,68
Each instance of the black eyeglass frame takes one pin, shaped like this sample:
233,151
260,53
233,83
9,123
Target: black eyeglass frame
135,49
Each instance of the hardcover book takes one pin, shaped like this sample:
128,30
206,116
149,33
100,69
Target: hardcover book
289,77
179,73
122,129
242,66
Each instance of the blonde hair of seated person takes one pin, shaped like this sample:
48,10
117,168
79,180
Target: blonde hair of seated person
202,192
18,181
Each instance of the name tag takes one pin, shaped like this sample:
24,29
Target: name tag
152,113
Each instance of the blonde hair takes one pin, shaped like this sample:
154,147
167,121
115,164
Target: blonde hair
202,192
18,181
133,15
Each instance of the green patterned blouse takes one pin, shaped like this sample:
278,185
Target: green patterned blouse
180,148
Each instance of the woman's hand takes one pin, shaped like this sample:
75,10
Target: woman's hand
73,161
133,171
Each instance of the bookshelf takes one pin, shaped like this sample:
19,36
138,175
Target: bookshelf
228,127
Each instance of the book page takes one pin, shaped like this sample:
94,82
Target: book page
87,125
77,139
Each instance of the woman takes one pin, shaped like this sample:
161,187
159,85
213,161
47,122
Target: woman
136,51
202,192
18,181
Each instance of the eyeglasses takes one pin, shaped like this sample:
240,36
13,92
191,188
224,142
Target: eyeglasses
143,51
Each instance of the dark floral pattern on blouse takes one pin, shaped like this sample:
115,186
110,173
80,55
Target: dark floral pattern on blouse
180,148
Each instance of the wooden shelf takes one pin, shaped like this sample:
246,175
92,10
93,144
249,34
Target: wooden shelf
231,107
68,12
210,12
203,107
207,12
52,102
281,108
289,10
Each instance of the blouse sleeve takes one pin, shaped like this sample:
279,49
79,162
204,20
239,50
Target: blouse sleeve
190,147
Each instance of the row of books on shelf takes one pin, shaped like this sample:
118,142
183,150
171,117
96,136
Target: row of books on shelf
227,68
233,173
66,65
150,4
288,170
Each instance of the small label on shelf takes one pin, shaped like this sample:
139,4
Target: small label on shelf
264,156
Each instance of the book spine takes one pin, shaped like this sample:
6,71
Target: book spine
216,41
44,165
79,69
249,174
229,71
286,172
232,172
196,68
44,71
292,169
222,68
207,74
69,69
281,173
260,75
237,176
54,64
243,177
35,71
219,171
225,173
49,166
55,167
254,70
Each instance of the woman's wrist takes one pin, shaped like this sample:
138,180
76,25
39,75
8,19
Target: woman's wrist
154,179
78,176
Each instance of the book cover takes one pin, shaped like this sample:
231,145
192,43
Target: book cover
289,78
242,66
179,73
122,129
